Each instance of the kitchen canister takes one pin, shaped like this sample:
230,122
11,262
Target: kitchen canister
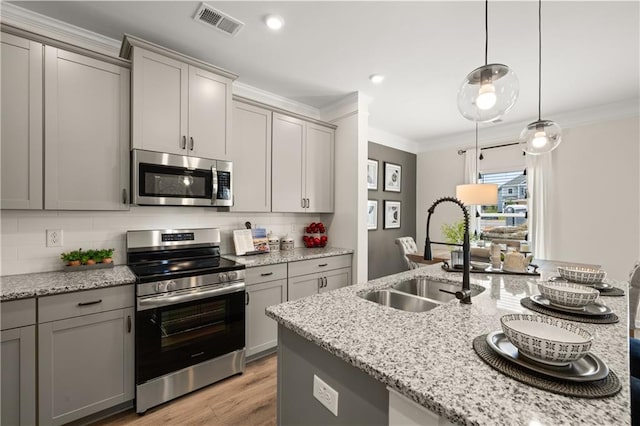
286,243
274,243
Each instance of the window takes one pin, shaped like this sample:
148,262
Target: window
507,219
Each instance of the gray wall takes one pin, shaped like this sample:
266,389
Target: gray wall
384,255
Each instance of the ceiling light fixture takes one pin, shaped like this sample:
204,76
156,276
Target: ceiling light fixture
541,136
489,91
274,22
477,194
376,78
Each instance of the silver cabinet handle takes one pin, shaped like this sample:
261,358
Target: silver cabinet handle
319,283
322,265
302,203
266,274
306,203
191,143
325,282
184,142
124,196
128,323
247,299
93,302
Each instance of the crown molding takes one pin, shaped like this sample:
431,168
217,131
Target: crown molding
343,107
499,133
269,98
33,22
390,140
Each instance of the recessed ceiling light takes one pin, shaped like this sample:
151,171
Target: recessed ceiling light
376,78
274,22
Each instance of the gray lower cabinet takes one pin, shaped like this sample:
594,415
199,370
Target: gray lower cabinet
309,277
18,366
266,286
86,353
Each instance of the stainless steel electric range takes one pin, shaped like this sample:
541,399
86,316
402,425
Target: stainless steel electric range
190,310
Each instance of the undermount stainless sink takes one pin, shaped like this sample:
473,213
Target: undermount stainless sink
430,289
404,302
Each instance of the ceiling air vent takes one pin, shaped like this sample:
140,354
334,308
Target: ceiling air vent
220,21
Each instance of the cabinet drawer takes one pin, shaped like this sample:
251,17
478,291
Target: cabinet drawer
262,274
52,308
18,313
320,264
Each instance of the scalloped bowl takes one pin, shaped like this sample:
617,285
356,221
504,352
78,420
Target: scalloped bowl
582,275
568,294
547,340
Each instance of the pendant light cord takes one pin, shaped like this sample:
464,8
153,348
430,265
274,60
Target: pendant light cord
477,155
486,31
539,57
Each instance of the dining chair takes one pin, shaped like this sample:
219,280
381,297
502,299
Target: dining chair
407,245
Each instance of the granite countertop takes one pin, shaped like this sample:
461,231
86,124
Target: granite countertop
429,358
13,287
284,256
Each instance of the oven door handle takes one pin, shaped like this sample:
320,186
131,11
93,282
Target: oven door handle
159,301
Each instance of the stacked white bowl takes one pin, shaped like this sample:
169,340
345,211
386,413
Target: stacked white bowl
570,295
582,275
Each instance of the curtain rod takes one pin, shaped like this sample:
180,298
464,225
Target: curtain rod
462,151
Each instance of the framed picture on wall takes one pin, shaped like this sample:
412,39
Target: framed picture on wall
372,215
392,214
392,177
372,175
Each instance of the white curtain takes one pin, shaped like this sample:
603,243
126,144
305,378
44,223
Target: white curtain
540,187
471,176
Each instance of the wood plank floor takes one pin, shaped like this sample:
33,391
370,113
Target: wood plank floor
248,399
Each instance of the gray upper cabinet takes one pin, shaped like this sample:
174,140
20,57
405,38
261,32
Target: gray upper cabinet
303,166
21,146
86,133
180,105
251,156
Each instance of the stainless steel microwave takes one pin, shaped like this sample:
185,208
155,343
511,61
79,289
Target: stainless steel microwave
179,180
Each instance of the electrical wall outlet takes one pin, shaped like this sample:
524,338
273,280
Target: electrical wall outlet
325,394
54,237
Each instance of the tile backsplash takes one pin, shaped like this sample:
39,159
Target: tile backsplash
23,246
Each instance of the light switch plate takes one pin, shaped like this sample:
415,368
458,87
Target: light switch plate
325,394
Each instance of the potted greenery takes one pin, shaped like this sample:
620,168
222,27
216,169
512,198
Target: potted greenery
97,258
73,258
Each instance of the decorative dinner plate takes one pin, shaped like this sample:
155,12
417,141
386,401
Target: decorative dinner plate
592,309
587,369
597,286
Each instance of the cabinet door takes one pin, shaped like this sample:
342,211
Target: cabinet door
159,102
209,114
262,331
336,279
319,168
85,365
288,168
86,133
303,286
251,155
18,369
21,155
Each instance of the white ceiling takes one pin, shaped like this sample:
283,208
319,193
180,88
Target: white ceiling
328,49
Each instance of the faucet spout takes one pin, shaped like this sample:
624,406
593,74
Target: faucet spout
465,294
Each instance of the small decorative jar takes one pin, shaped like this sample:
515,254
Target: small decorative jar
286,243
274,243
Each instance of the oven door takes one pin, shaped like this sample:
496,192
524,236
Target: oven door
182,329
168,179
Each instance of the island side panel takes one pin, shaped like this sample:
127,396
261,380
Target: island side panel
361,399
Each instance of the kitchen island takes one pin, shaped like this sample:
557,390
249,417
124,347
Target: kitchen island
428,357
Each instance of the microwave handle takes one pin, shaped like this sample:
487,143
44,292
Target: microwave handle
214,184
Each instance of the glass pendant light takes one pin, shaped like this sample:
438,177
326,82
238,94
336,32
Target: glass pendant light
541,136
489,91
477,194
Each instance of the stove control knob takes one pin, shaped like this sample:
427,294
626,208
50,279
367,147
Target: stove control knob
222,276
171,285
160,288
233,275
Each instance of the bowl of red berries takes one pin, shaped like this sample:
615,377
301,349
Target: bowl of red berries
315,235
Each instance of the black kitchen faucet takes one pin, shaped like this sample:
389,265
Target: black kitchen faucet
465,294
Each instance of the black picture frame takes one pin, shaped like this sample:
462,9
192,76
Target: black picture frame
372,174
392,214
392,177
